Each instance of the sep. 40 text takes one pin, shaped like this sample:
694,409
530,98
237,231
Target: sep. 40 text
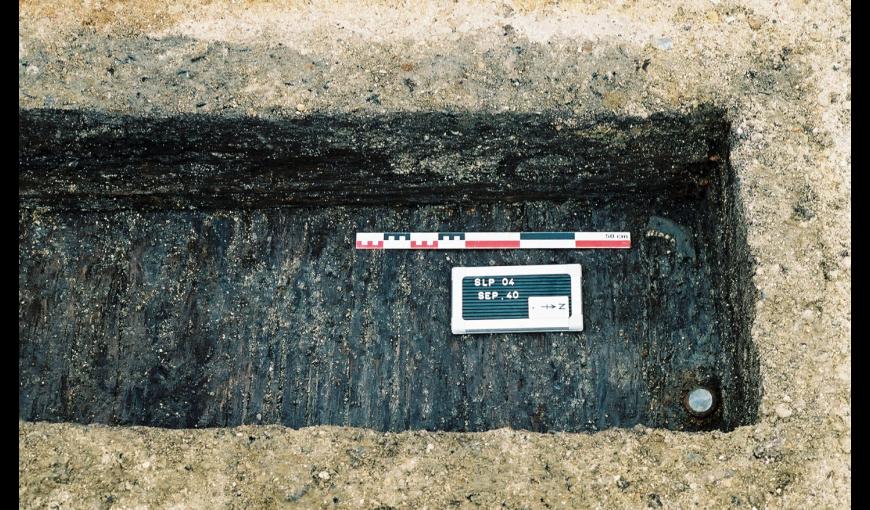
490,295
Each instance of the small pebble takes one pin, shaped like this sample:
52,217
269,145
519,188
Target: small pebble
664,43
755,22
783,411
693,457
323,475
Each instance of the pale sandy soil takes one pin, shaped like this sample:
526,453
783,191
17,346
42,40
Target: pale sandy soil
781,69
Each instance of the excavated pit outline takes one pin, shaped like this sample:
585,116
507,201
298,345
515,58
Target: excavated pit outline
199,271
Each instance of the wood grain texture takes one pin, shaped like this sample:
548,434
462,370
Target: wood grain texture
217,317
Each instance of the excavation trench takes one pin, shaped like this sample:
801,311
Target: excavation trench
200,271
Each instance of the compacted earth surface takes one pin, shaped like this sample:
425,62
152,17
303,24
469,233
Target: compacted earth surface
778,72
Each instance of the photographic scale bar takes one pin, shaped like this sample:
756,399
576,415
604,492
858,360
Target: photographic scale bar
490,240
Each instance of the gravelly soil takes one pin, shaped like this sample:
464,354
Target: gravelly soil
782,72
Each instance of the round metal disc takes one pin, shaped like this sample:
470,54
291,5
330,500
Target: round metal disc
700,401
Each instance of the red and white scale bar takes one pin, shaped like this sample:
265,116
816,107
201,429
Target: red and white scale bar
490,240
